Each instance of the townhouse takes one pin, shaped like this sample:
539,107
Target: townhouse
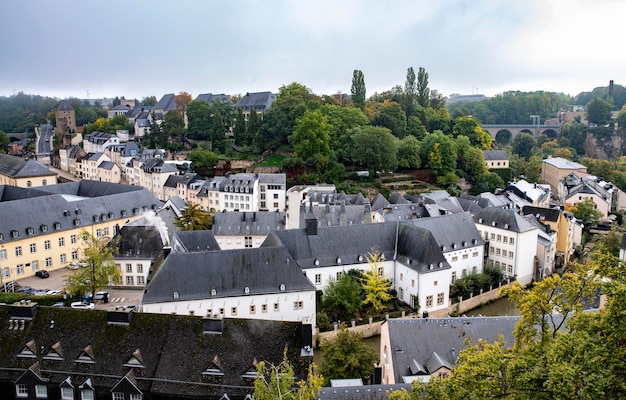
97,142
238,230
244,192
553,169
564,224
16,171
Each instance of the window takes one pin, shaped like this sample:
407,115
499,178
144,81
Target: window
464,272
5,272
276,195
263,307
139,397
276,307
506,240
140,268
499,238
252,309
29,184
262,196
275,204
401,276
67,393
99,233
401,294
41,391
497,252
440,299
33,248
3,254
35,265
493,236
475,254
381,271
222,311
248,241
453,277
130,280
86,394
20,269
412,282
63,258
339,275
512,241
435,283
474,269
18,251
46,245
429,301
510,269
105,231
318,279
297,305
21,390
61,241
510,254
118,396
129,267
141,280
465,256
455,258
233,311
75,255
73,239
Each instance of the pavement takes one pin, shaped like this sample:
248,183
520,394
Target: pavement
117,296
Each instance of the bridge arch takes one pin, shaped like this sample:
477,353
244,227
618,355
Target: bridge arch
527,131
503,136
551,133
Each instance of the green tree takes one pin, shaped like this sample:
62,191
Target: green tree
311,137
341,120
220,122
376,287
347,356
343,296
253,126
275,382
423,92
469,126
523,145
4,142
621,119
439,153
240,131
586,211
358,89
374,148
410,92
409,153
198,120
390,115
202,158
149,101
97,267
173,125
599,111
487,183
194,219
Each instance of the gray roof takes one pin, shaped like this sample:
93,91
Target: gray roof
490,155
64,105
336,214
138,242
210,97
279,179
503,219
366,392
545,214
158,165
107,165
67,204
99,137
194,241
130,149
436,343
564,163
248,223
260,101
166,103
119,107
454,231
17,167
93,156
379,202
352,243
172,348
261,270
142,123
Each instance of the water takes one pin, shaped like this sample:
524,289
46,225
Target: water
500,307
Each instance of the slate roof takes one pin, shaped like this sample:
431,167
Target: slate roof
142,122
64,105
129,149
108,165
260,101
503,219
158,165
17,167
351,243
166,103
277,179
210,97
547,214
452,230
229,272
367,392
379,202
248,223
99,137
194,241
437,342
333,215
119,107
138,242
64,203
493,155
173,350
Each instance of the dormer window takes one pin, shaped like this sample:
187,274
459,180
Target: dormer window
30,231
338,260
316,262
96,218
44,228
214,292
78,211
360,258
282,287
66,213
246,290
135,211
175,295
124,213
57,225
494,223
15,234
76,222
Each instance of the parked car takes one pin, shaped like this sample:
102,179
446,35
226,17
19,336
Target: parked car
101,296
76,265
42,274
58,304
53,292
25,289
82,305
41,292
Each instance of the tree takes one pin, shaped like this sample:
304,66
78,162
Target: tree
599,111
240,130
587,212
194,219
4,142
149,101
347,356
375,285
390,115
202,158
374,148
278,382
253,126
423,92
409,153
342,296
487,183
439,153
312,136
469,126
523,145
97,267
341,120
410,93
358,89
198,117
181,101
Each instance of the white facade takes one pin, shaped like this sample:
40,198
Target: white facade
134,272
430,290
465,262
287,306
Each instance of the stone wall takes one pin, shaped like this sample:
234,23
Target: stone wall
469,304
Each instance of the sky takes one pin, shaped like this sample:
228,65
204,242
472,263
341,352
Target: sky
139,48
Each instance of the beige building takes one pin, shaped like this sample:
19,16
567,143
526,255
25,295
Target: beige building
496,159
563,224
555,168
43,231
16,171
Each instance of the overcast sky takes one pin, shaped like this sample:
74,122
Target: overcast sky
138,48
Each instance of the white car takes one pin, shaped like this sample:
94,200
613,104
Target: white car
83,305
51,292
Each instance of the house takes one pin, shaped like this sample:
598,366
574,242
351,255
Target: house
97,142
496,159
607,196
254,283
554,169
152,175
142,127
331,209
512,242
62,353
41,227
259,101
244,192
546,248
108,171
165,104
16,171
208,196
425,348
409,254
296,196
119,109
523,193
68,156
210,97
563,224
241,229
99,167
178,185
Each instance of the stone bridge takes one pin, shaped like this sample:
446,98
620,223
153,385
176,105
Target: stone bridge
505,133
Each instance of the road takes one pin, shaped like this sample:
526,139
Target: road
56,281
44,142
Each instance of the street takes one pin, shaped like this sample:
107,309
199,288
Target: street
56,281
44,143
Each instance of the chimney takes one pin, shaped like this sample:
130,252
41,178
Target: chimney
120,316
24,309
212,325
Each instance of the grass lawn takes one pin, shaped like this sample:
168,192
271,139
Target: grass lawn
273,160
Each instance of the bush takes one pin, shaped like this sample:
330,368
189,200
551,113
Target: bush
323,323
